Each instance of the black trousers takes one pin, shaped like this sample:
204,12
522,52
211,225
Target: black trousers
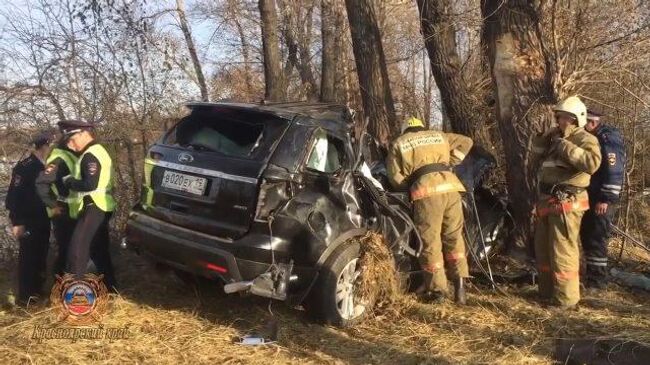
63,229
90,241
32,260
595,232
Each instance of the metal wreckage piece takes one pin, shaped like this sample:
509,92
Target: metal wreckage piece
637,242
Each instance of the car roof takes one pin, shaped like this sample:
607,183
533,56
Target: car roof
320,112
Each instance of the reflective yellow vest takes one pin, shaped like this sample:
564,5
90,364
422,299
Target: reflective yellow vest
101,196
70,161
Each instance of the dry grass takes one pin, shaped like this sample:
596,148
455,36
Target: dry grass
171,323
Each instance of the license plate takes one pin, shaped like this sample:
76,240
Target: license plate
183,182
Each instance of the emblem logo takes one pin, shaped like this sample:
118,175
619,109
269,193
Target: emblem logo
49,169
92,168
611,158
185,158
79,302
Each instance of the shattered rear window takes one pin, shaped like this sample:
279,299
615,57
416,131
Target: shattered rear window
242,135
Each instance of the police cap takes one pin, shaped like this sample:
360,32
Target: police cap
593,115
72,126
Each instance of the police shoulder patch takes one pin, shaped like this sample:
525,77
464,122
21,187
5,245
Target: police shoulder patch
611,159
92,168
49,168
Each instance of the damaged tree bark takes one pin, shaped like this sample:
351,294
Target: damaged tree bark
524,96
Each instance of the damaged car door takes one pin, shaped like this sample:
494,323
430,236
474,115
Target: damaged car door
329,184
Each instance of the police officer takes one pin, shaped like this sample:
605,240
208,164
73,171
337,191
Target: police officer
569,156
30,223
604,191
421,160
61,206
92,184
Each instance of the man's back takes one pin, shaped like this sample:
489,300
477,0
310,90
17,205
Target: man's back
419,148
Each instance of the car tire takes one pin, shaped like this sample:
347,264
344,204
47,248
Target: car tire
332,299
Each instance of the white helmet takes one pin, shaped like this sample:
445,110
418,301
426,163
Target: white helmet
573,105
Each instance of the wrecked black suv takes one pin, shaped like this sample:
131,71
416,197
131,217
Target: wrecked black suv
267,198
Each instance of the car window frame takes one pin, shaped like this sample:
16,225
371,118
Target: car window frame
342,149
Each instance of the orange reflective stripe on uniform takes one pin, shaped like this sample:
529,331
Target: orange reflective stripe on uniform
425,191
454,256
432,268
566,275
563,207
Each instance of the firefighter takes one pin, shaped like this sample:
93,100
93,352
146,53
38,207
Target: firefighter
92,184
569,156
604,191
55,195
29,220
421,160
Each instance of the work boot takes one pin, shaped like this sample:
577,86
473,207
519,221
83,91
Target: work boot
426,293
459,292
431,297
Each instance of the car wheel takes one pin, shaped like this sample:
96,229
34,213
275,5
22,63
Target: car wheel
335,299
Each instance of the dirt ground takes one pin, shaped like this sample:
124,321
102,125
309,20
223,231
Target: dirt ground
170,322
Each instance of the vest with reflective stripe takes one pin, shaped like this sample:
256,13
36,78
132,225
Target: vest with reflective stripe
70,161
101,196
422,148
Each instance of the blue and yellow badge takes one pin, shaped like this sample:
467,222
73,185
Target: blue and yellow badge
79,302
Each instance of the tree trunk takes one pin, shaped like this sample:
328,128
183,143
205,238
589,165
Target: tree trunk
297,35
247,60
331,50
376,94
523,99
180,8
305,66
440,40
273,77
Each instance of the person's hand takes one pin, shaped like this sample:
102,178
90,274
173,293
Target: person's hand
57,211
67,180
601,208
18,231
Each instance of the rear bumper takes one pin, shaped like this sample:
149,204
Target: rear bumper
206,255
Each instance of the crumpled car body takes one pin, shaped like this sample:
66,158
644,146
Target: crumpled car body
262,197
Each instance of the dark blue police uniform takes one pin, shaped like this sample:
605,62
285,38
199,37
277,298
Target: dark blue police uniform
605,187
26,209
